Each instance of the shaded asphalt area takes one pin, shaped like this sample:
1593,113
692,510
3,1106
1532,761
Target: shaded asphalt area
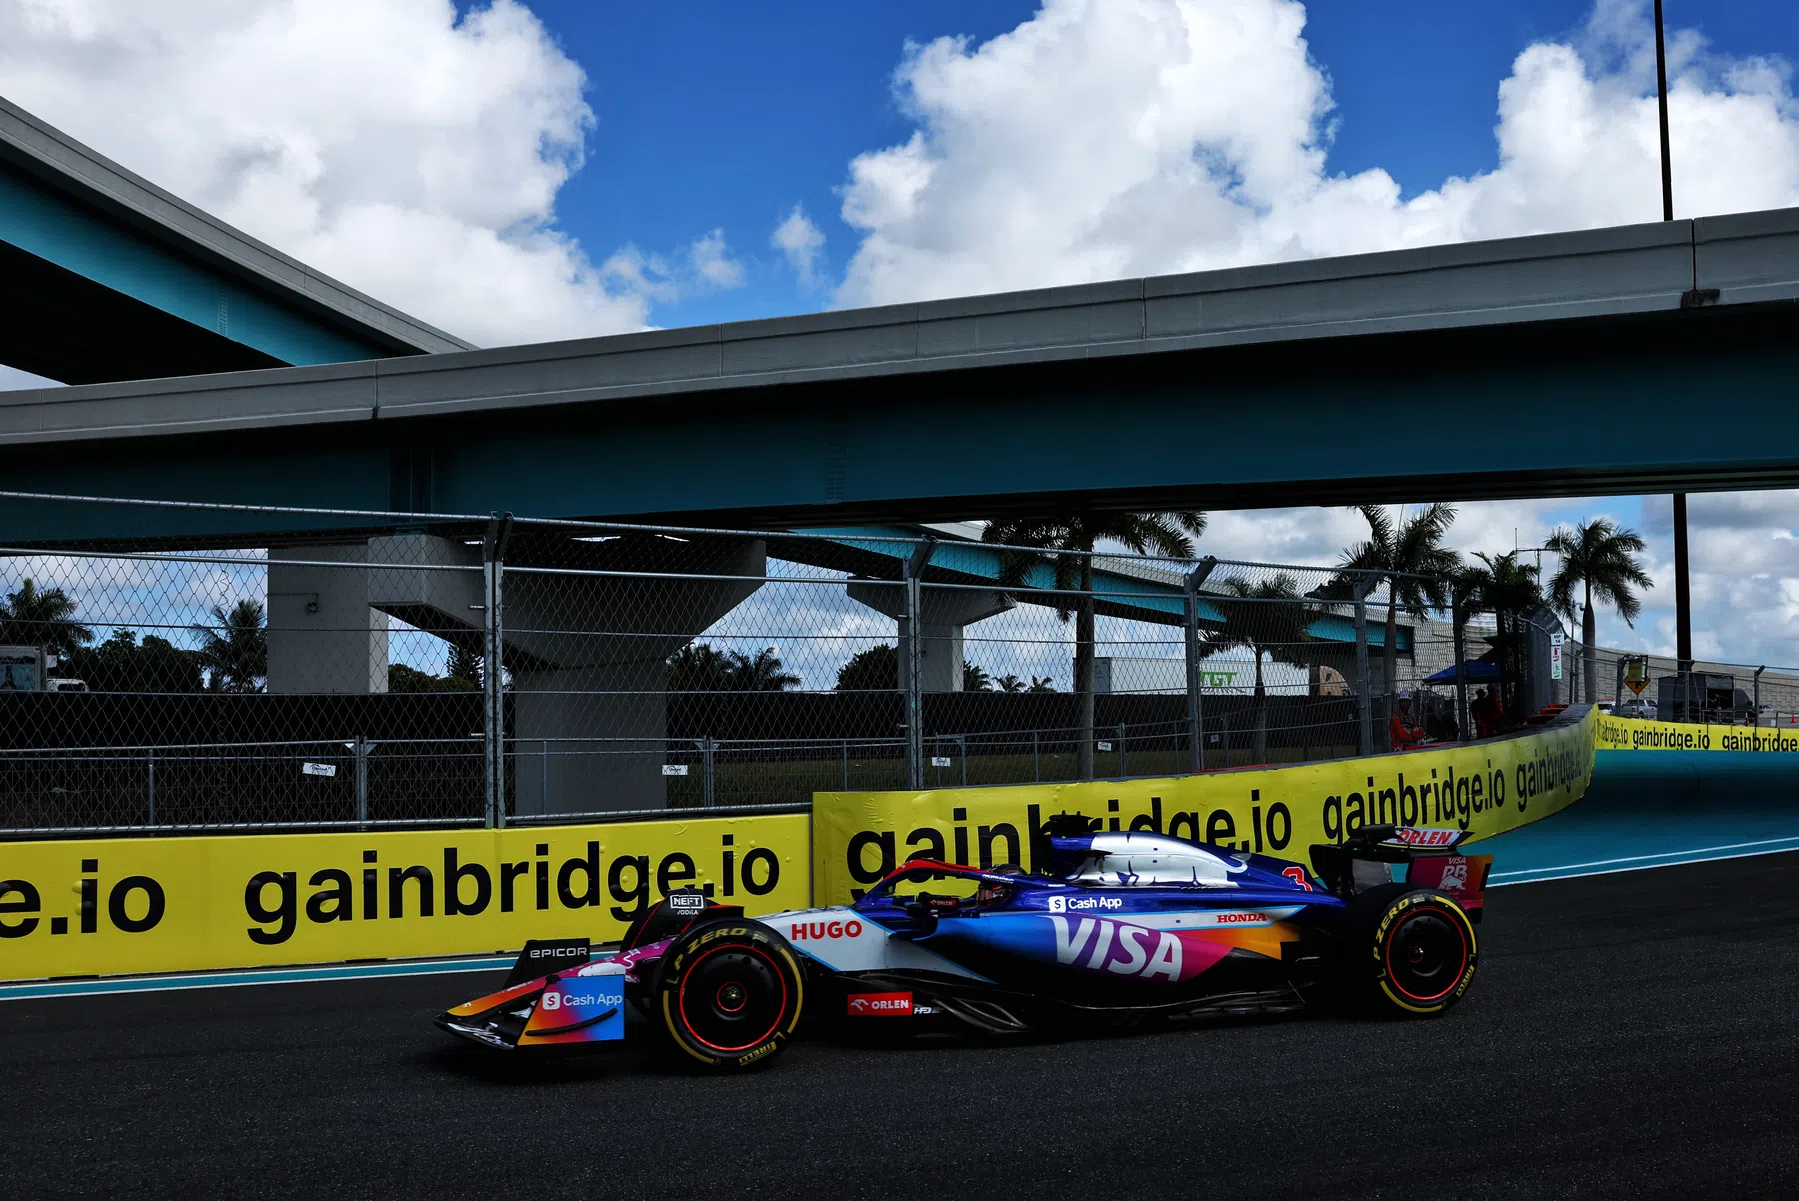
1628,1036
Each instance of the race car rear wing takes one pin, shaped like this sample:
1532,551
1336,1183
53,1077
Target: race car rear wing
1427,858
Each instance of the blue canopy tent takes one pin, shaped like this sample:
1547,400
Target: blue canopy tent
1474,671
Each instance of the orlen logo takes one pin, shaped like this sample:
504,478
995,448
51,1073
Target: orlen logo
1060,904
817,930
880,1004
1427,838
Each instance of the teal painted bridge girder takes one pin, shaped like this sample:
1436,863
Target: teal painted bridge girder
104,276
1132,593
36,220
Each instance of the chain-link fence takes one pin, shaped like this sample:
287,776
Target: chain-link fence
184,666
1656,688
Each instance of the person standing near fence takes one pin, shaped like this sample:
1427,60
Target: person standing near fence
1402,730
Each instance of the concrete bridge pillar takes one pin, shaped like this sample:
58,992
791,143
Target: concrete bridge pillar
947,611
323,635
584,653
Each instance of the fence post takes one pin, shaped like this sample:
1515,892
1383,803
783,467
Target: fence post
493,709
1756,723
910,624
846,765
1618,688
1036,758
150,774
708,778
1363,587
1196,745
962,750
362,747
1458,616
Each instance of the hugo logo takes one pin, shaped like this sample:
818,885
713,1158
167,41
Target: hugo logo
817,930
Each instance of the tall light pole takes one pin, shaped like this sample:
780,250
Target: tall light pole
1683,597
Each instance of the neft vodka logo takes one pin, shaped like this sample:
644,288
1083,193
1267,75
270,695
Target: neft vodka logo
1061,904
1101,945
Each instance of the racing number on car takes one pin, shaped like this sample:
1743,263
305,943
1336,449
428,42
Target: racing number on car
1298,876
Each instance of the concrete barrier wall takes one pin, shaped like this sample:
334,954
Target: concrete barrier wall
1488,787
1631,734
118,906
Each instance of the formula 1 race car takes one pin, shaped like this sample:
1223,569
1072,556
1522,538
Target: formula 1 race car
1116,927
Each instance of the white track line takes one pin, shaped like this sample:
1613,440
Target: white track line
1547,874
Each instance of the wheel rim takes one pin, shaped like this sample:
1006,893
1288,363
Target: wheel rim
732,998
1426,955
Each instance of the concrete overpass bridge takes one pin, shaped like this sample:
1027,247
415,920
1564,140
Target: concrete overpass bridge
1644,358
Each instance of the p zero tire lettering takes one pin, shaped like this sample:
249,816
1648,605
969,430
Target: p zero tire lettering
729,996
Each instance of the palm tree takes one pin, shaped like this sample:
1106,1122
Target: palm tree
699,667
1042,684
1415,564
1008,683
1601,558
236,649
1508,588
975,679
1271,619
1067,543
763,673
30,617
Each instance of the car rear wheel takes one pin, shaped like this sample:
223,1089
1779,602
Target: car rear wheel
1412,951
729,994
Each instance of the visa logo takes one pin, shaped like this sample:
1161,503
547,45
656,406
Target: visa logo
1099,944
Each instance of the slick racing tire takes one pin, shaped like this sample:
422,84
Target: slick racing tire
729,994
1412,951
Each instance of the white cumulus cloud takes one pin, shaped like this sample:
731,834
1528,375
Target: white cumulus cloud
411,152
800,240
1103,139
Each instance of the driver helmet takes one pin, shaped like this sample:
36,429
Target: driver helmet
998,892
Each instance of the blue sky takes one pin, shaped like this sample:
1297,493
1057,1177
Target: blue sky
724,115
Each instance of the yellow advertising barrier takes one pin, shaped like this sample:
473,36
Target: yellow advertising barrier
177,904
1633,734
1489,787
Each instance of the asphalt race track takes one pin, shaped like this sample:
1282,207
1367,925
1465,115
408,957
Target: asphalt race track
1630,1035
